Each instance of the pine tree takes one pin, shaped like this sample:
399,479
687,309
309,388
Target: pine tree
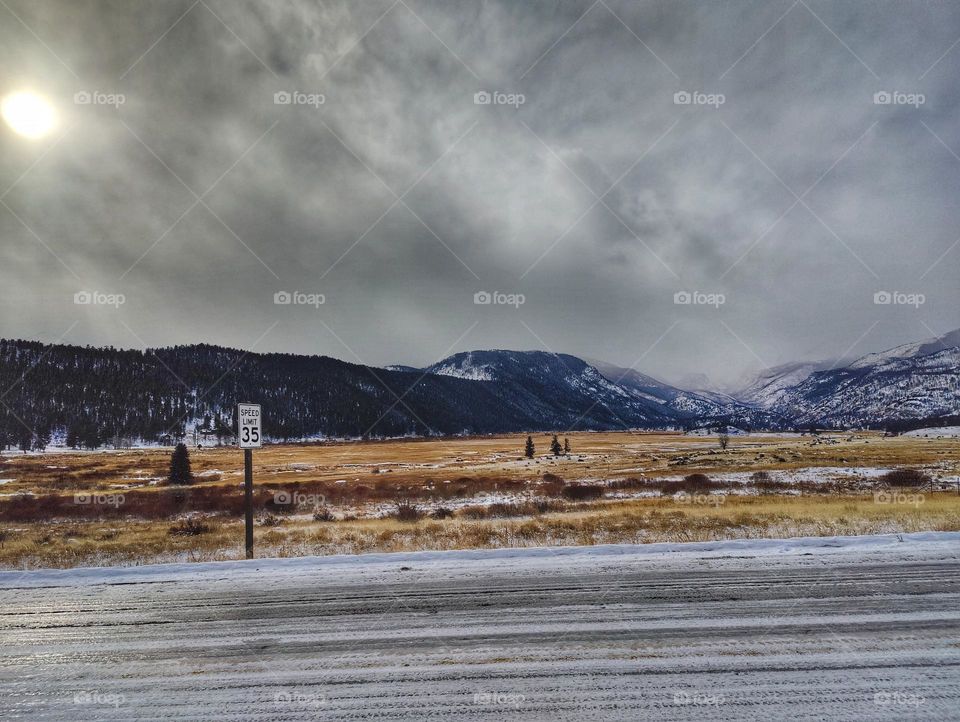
528,450
41,439
555,446
180,466
90,436
566,446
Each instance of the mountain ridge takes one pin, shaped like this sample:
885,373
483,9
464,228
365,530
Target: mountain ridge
92,394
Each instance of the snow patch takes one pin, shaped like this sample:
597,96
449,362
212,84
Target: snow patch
937,432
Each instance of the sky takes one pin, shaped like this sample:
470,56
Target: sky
696,189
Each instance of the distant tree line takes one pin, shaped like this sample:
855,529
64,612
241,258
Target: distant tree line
91,397
899,426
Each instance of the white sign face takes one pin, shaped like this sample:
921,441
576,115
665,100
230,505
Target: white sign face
249,431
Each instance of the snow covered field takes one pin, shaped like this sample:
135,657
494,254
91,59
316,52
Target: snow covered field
826,628
939,432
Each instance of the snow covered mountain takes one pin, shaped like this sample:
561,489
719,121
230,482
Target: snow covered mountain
913,381
768,388
690,408
91,395
560,387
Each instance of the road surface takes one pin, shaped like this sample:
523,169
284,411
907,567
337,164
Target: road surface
724,632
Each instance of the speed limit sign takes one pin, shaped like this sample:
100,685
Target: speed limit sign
250,436
249,431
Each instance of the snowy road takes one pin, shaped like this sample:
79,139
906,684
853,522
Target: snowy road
867,628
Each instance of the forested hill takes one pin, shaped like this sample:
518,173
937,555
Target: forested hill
92,396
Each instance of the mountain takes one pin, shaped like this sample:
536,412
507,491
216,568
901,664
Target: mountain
914,381
556,386
690,408
911,350
89,396
768,388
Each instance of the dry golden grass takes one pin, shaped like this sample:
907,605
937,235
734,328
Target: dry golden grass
634,521
358,478
421,462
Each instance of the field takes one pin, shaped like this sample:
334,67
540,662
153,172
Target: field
76,508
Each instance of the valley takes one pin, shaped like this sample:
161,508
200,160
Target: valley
67,508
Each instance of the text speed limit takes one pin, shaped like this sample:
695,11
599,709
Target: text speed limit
249,430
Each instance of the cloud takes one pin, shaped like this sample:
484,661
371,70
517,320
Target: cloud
304,195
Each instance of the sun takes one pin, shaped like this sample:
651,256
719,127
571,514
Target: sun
28,114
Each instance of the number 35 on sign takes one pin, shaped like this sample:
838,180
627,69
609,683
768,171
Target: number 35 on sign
248,426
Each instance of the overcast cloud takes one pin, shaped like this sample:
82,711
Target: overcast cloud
598,198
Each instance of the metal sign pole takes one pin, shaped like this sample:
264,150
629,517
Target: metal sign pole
248,498
249,437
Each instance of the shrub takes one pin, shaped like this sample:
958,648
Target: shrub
552,484
582,492
323,514
501,510
407,511
474,512
698,481
906,477
189,527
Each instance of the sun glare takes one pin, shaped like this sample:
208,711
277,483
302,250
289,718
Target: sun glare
28,114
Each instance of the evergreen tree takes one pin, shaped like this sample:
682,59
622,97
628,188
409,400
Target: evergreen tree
90,436
555,446
528,450
566,446
41,439
180,466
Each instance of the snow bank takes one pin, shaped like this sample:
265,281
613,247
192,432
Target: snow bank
462,560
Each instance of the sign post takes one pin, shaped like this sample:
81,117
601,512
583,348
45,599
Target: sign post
249,437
